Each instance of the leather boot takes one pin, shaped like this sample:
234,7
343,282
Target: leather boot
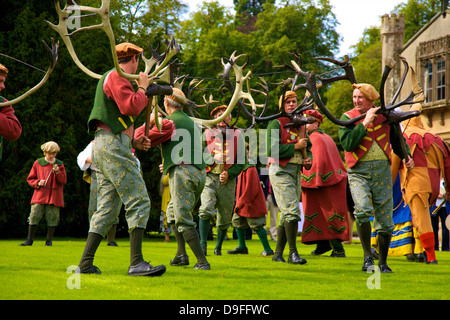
87,259
31,231
384,240
192,239
281,243
364,232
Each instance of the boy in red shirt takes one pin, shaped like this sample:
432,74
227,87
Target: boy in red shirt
47,177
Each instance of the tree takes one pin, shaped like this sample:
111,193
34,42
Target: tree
417,13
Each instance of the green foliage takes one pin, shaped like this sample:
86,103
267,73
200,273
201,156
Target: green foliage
417,13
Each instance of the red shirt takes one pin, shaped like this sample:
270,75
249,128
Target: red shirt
52,192
10,127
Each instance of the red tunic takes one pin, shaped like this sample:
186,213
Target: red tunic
52,192
376,132
250,201
10,127
324,192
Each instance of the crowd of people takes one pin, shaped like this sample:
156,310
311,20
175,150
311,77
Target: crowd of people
305,173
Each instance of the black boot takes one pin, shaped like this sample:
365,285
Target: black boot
139,267
364,232
193,240
31,231
281,243
50,232
181,258
338,248
291,235
384,240
87,259
111,236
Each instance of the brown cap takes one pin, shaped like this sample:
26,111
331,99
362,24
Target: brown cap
178,92
287,95
127,49
3,70
367,90
217,109
314,114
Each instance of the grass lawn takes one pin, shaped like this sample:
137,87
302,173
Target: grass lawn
40,273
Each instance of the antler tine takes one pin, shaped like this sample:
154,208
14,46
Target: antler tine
54,51
104,12
348,68
402,81
238,92
61,29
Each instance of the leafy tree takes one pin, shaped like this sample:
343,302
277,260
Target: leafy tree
417,13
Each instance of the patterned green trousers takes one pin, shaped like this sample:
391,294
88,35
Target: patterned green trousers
218,196
39,210
371,187
186,183
287,188
93,198
119,181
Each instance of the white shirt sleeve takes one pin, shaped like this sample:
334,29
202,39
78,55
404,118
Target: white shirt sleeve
83,155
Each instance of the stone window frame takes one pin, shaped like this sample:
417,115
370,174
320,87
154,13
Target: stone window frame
434,51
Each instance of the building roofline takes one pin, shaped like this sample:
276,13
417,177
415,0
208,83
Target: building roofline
413,38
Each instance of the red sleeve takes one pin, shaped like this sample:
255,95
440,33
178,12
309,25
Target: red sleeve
33,177
446,153
157,137
10,127
61,177
119,89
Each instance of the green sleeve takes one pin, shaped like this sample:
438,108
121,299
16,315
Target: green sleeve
207,157
273,142
395,143
352,136
308,148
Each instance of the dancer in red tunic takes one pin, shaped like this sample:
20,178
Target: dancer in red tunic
324,193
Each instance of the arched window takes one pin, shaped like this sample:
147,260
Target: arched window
440,80
427,81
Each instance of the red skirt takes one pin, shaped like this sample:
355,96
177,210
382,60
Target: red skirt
325,211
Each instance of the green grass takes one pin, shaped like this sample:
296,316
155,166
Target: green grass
39,272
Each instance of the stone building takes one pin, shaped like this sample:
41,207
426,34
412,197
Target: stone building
428,52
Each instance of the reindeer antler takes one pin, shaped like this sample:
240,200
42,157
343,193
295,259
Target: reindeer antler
161,71
53,60
238,91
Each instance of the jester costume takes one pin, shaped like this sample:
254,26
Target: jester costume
421,185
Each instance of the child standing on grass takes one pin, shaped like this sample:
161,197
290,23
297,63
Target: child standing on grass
47,177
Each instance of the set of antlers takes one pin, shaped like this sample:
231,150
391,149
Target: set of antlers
161,68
